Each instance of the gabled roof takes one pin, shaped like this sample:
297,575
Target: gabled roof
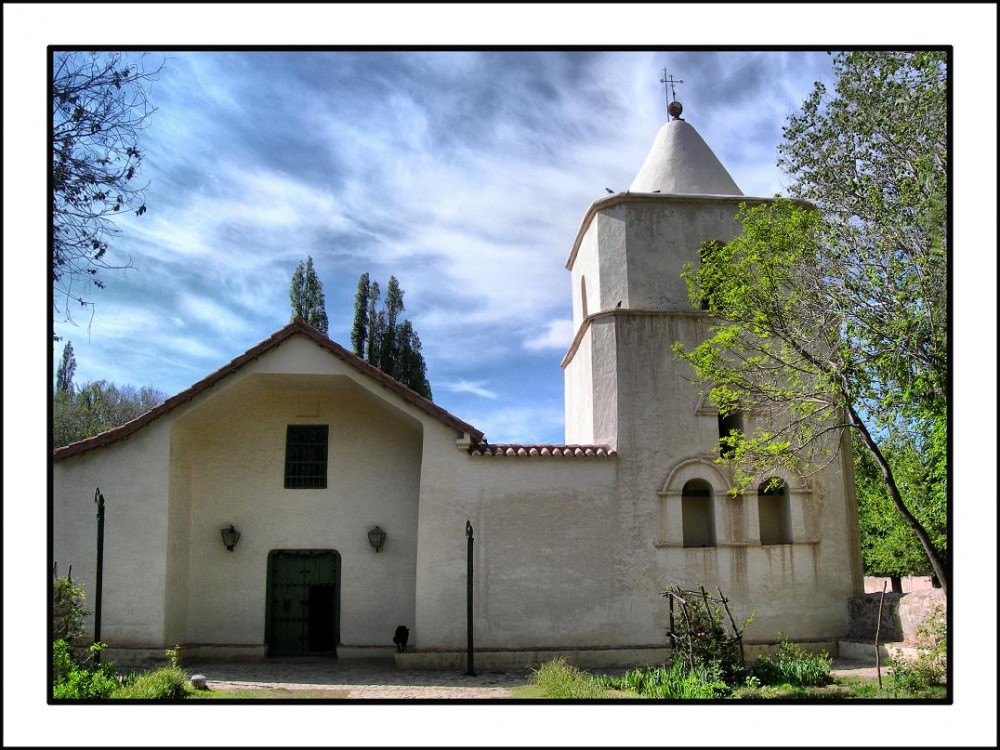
296,327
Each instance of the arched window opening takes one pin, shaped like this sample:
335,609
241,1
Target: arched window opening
698,513
774,513
583,294
732,422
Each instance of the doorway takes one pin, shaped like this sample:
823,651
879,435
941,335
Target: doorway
303,602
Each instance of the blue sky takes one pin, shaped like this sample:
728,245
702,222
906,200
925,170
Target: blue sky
464,174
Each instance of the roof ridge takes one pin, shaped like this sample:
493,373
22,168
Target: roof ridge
298,325
543,449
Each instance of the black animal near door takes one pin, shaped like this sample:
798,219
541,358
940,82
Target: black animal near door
303,602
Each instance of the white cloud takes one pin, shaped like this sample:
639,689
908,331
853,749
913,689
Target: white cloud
477,388
558,335
520,424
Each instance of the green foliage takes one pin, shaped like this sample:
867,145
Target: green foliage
96,407
774,352
67,367
99,108
558,679
889,546
678,682
82,679
68,611
306,296
383,339
930,667
791,665
836,318
73,681
705,637
359,330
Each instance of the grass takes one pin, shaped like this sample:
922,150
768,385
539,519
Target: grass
559,680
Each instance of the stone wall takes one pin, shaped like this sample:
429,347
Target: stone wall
902,614
904,584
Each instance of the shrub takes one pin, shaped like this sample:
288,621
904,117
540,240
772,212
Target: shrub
704,636
73,681
931,664
68,612
558,679
791,665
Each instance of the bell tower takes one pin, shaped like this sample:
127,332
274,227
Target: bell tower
623,385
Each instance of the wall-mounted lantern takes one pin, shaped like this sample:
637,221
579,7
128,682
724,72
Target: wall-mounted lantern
376,538
230,535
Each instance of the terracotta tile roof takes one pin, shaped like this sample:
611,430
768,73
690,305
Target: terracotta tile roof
516,450
297,326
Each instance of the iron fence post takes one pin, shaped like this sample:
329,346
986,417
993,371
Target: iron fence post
99,499
470,668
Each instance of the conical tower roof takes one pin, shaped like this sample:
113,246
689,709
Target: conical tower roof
680,162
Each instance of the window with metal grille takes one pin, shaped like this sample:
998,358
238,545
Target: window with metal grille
305,456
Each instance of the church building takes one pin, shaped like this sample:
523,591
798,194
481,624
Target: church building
299,502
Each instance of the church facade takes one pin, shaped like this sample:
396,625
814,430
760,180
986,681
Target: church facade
303,449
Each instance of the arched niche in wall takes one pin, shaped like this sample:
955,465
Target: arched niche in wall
688,500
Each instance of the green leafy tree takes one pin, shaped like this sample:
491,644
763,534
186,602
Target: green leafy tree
383,339
97,407
376,323
306,296
835,318
99,109
779,354
889,546
359,331
67,368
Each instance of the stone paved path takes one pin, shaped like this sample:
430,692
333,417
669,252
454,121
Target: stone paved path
367,679
362,678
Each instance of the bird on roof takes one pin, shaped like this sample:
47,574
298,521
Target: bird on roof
618,306
610,190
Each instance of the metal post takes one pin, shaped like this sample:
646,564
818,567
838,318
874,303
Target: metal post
99,499
468,610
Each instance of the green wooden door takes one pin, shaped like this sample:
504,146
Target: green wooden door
303,602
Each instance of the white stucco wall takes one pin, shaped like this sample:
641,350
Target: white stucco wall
547,552
132,475
220,460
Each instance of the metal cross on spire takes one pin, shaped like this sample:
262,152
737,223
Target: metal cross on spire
673,106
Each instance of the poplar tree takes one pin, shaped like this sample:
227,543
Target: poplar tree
383,339
306,296
359,331
67,367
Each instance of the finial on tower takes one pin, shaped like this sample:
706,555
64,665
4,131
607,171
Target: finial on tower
674,107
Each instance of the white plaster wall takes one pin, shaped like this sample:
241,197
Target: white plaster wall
133,478
586,270
236,465
662,236
219,459
591,387
549,564
800,587
578,393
